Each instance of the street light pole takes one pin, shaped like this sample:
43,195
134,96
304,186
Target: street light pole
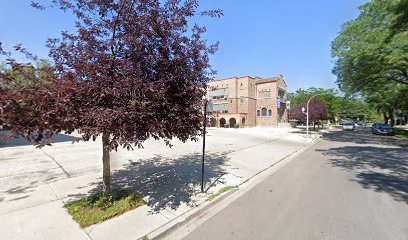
307,113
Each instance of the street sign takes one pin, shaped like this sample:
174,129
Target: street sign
288,105
279,102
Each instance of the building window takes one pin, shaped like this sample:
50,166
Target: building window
258,113
270,113
264,111
281,95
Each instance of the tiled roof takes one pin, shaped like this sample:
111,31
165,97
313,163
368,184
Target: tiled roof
231,78
267,80
260,81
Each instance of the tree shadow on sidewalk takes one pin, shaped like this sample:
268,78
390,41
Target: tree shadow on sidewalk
168,182
384,169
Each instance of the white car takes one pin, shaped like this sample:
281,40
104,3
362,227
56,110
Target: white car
349,126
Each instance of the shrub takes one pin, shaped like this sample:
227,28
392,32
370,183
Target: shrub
226,126
236,126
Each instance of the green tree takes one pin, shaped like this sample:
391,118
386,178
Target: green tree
400,23
370,55
353,108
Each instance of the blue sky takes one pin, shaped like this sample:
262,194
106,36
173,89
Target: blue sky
262,38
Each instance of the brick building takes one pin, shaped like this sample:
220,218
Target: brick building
248,101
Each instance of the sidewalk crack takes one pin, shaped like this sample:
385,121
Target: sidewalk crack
58,164
53,192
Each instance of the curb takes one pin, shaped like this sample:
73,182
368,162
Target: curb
185,218
205,208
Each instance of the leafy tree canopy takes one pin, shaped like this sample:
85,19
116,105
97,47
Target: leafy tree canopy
337,105
317,111
370,55
362,55
133,69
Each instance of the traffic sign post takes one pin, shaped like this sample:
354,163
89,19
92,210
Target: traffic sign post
208,108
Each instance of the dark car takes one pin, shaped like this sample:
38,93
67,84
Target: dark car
383,129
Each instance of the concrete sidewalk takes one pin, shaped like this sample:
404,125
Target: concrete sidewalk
37,183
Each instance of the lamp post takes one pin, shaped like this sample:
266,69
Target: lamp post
307,116
307,113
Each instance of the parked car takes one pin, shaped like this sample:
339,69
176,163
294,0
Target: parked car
349,126
384,129
362,123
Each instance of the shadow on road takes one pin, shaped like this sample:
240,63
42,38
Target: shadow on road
382,165
363,135
23,142
167,182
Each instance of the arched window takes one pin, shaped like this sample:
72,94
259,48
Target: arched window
264,112
232,122
222,122
258,113
270,113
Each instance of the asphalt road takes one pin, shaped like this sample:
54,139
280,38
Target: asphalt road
349,185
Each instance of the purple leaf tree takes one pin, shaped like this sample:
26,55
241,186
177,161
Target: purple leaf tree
133,70
317,111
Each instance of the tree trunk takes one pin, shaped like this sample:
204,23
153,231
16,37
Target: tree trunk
392,120
385,118
106,166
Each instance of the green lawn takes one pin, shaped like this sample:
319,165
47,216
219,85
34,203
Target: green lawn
92,210
401,133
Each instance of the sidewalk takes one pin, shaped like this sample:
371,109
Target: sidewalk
37,183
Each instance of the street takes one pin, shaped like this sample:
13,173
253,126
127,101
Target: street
349,185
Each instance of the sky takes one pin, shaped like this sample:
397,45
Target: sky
263,38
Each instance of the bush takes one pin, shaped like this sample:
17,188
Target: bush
226,125
236,126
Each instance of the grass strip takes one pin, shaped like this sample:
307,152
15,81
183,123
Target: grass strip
401,133
221,191
94,209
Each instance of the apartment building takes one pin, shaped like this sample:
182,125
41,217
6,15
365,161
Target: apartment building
248,101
